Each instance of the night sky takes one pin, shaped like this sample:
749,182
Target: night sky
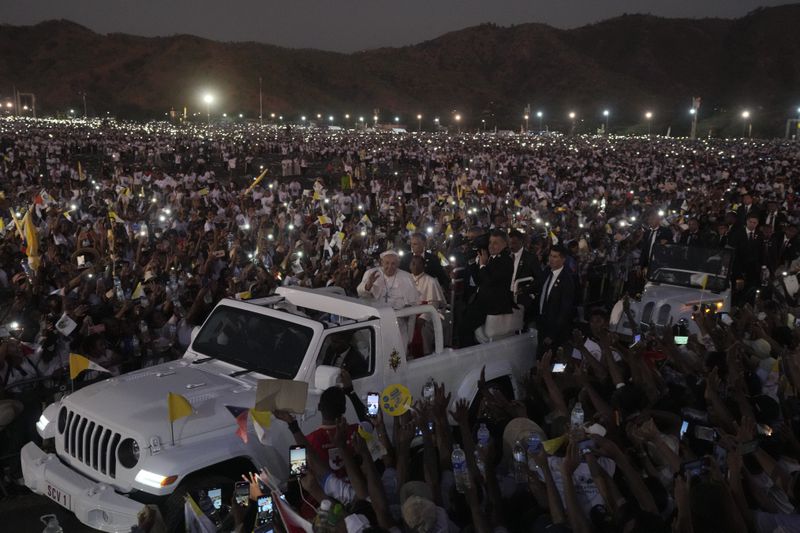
345,25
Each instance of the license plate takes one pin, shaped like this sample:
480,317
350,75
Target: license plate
59,496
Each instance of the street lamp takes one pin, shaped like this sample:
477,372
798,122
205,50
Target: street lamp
748,125
330,118
483,123
457,117
540,116
419,123
208,98
572,116
649,117
436,121
606,113
375,119
526,117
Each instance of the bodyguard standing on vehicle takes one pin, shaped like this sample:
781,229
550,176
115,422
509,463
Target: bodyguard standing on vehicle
556,301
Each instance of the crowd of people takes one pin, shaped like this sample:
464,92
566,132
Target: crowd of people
119,238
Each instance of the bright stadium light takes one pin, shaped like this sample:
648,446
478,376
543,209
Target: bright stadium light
693,111
208,98
572,115
745,114
606,112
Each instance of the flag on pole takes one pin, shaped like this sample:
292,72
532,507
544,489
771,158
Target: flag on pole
178,407
324,220
257,181
17,223
31,241
448,231
411,226
240,414
79,363
137,292
195,519
365,221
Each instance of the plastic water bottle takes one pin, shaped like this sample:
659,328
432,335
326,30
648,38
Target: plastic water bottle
429,390
576,418
483,435
764,275
479,463
51,524
322,523
520,463
460,474
136,346
534,447
118,289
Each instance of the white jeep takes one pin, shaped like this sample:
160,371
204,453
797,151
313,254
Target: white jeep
680,281
112,438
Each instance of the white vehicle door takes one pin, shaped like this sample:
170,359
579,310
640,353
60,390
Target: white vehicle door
351,347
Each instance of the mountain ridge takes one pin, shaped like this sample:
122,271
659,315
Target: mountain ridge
487,72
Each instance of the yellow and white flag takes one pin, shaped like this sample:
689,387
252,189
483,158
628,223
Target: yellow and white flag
178,407
79,363
137,292
31,241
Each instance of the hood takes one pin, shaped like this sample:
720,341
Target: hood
659,303
137,402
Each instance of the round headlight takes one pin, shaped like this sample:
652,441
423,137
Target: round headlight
128,453
62,419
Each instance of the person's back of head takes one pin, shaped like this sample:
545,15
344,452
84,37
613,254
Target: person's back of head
332,403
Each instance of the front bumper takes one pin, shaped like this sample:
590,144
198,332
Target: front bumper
94,504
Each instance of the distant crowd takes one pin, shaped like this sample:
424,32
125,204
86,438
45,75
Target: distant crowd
118,239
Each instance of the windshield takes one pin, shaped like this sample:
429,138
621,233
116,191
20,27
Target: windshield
690,266
257,342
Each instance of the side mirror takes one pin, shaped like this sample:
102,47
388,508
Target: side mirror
326,377
195,331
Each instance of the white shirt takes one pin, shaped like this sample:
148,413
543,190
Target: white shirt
517,258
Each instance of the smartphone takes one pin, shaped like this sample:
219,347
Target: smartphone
636,339
264,515
297,461
705,433
681,340
585,446
764,430
680,332
684,428
241,492
748,447
695,468
372,403
215,495
81,261
559,367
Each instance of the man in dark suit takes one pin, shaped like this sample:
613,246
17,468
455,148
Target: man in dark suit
747,209
655,234
493,280
433,267
556,301
788,245
694,236
773,217
526,264
749,258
